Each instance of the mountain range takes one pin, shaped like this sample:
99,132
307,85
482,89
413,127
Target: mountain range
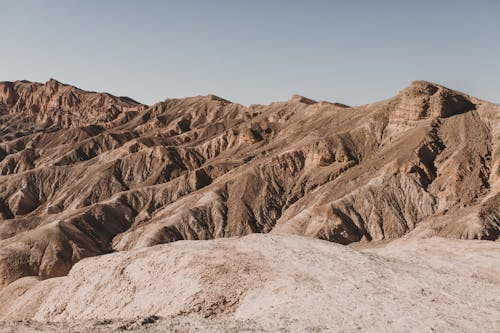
83,174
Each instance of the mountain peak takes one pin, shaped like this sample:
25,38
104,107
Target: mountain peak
421,87
213,97
301,99
53,83
37,102
430,99
52,80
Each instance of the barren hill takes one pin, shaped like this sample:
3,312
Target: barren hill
268,283
84,173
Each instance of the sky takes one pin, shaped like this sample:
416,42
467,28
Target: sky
353,52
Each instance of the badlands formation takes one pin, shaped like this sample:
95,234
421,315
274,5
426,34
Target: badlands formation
190,214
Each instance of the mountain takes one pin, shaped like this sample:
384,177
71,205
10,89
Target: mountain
85,174
27,108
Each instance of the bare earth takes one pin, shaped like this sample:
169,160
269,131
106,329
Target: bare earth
100,195
276,283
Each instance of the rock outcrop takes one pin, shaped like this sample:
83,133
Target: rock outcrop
272,283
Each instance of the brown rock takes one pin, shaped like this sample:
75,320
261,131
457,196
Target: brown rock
87,173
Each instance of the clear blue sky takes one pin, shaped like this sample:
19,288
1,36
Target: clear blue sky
254,51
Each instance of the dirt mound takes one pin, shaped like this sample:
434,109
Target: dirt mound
273,282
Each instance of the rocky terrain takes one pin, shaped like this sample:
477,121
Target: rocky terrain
83,174
270,283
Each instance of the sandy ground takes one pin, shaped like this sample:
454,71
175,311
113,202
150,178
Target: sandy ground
275,283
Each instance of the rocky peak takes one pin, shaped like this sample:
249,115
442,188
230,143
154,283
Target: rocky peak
423,99
421,88
213,97
52,83
301,99
64,105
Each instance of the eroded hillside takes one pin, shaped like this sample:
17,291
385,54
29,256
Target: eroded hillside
84,173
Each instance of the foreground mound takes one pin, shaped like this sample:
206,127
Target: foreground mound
273,282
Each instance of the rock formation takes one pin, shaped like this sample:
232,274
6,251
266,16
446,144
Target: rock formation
270,283
84,173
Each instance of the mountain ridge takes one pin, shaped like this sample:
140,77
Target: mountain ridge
115,175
